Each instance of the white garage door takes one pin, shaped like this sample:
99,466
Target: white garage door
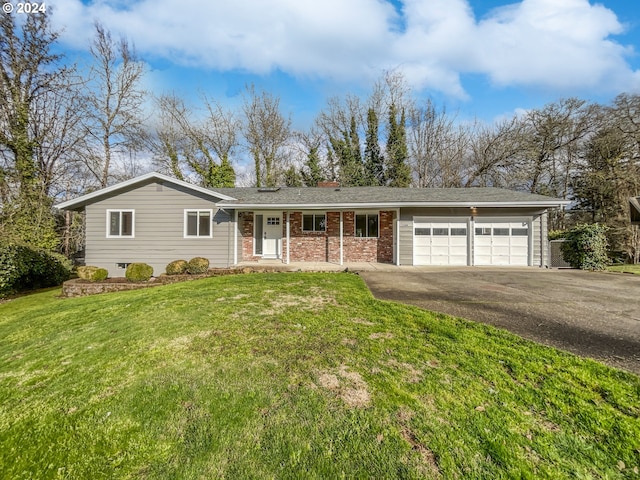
439,242
501,242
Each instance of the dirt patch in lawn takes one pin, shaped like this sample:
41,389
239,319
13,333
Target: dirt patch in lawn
347,385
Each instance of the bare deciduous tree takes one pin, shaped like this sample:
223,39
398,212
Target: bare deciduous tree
36,96
437,146
38,134
267,133
114,116
186,146
493,151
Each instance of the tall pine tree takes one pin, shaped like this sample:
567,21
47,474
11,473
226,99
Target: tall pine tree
398,171
347,151
374,174
312,172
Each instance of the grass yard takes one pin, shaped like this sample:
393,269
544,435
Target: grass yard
296,375
635,269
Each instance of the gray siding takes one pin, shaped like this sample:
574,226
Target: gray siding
158,230
539,246
536,232
545,248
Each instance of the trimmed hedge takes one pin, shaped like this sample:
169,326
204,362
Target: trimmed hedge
138,272
93,274
586,247
198,265
25,268
177,267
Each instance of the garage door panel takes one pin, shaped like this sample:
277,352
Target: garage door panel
501,242
439,242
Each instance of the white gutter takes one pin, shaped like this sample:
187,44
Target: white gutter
382,206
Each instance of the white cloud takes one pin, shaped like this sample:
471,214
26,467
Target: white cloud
546,43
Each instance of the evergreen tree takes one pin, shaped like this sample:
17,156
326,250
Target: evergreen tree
223,175
292,178
373,158
347,151
312,173
398,171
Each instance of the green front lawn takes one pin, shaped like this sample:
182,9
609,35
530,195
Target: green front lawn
635,269
296,376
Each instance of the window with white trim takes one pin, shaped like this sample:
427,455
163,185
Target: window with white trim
367,225
120,223
314,222
197,223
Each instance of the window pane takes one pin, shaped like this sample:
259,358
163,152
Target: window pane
204,222
462,232
114,223
423,231
361,225
192,224
519,232
504,232
127,224
319,223
441,231
307,222
373,226
483,231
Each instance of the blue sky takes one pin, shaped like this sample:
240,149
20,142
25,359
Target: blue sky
485,59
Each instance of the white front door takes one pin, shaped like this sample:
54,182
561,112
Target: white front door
272,235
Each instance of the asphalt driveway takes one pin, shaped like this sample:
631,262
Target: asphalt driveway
595,315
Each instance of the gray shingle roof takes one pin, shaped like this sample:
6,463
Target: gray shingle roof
331,197
387,196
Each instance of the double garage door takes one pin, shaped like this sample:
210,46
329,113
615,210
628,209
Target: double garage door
448,241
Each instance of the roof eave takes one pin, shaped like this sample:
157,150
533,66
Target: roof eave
84,200
378,205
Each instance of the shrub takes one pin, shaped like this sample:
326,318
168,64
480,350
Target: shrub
586,247
25,268
177,267
138,272
93,274
557,234
198,265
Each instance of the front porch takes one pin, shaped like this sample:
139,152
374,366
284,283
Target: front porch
325,238
277,265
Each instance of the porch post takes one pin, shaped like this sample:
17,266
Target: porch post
288,236
397,239
235,238
341,234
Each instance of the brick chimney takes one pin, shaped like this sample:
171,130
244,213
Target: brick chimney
329,184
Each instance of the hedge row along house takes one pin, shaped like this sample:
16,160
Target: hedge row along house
157,219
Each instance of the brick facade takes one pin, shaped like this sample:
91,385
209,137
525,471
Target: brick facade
325,246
